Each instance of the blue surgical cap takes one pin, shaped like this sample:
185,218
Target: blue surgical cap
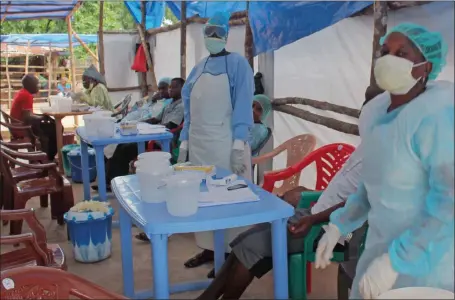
166,80
220,18
431,45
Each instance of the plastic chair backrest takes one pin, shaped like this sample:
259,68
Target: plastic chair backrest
329,160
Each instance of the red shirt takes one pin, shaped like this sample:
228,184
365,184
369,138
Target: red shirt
23,100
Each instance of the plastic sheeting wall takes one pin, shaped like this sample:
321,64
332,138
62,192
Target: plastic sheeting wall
332,65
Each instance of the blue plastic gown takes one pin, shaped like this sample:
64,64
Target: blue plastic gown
407,194
242,90
259,133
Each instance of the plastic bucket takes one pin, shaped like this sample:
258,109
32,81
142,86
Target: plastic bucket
152,186
66,163
91,238
75,159
68,138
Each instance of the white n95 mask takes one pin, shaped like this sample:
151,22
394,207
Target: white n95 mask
394,74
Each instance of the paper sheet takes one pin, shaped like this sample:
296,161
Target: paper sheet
145,128
219,195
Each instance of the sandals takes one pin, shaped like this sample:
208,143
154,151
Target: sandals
142,237
199,259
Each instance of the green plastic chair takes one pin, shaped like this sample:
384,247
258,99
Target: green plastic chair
299,263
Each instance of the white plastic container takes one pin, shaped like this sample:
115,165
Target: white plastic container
417,293
99,125
60,104
152,184
153,158
183,192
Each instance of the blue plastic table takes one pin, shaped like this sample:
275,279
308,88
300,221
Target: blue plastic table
99,143
158,224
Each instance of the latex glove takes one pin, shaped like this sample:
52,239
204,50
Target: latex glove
378,278
326,244
183,152
238,157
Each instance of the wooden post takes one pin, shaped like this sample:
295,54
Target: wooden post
143,35
101,40
144,84
380,29
249,43
85,46
183,40
72,60
49,74
8,77
26,57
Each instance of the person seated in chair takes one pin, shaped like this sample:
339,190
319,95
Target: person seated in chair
154,105
118,164
95,93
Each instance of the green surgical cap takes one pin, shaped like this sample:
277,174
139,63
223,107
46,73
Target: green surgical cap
431,44
265,103
93,73
166,80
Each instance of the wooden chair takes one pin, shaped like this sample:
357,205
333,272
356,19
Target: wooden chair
36,251
297,148
50,183
21,173
48,283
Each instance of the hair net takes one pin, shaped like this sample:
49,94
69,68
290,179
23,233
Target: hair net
265,103
93,73
431,44
220,18
166,80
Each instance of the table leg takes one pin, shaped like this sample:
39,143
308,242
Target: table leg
280,259
100,172
59,133
85,171
160,266
218,240
166,145
140,147
127,254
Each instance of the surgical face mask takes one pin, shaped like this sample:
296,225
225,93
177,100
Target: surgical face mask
394,74
214,45
90,86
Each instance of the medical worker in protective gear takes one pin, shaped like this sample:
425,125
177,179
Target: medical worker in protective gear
217,98
407,194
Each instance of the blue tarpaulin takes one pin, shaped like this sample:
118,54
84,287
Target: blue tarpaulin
154,12
58,40
23,10
274,23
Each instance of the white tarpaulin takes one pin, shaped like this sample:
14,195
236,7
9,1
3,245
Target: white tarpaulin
331,65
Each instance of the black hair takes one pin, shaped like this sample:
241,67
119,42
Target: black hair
370,93
179,80
29,80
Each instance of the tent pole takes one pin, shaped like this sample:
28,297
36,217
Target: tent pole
101,39
143,35
27,57
380,14
72,60
8,77
5,13
249,43
84,45
183,40
49,73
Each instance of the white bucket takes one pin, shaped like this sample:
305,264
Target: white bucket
417,293
152,184
182,194
153,158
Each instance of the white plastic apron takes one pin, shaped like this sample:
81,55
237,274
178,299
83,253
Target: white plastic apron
210,137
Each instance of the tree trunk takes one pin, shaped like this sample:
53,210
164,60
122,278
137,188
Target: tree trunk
380,29
142,33
249,43
183,40
318,104
317,119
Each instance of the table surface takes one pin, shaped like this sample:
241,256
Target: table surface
67,114
121,139
155,219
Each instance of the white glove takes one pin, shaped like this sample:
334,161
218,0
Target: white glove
327,243
238,157
378,278
183,152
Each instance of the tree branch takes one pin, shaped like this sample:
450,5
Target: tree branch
317,119
318,104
